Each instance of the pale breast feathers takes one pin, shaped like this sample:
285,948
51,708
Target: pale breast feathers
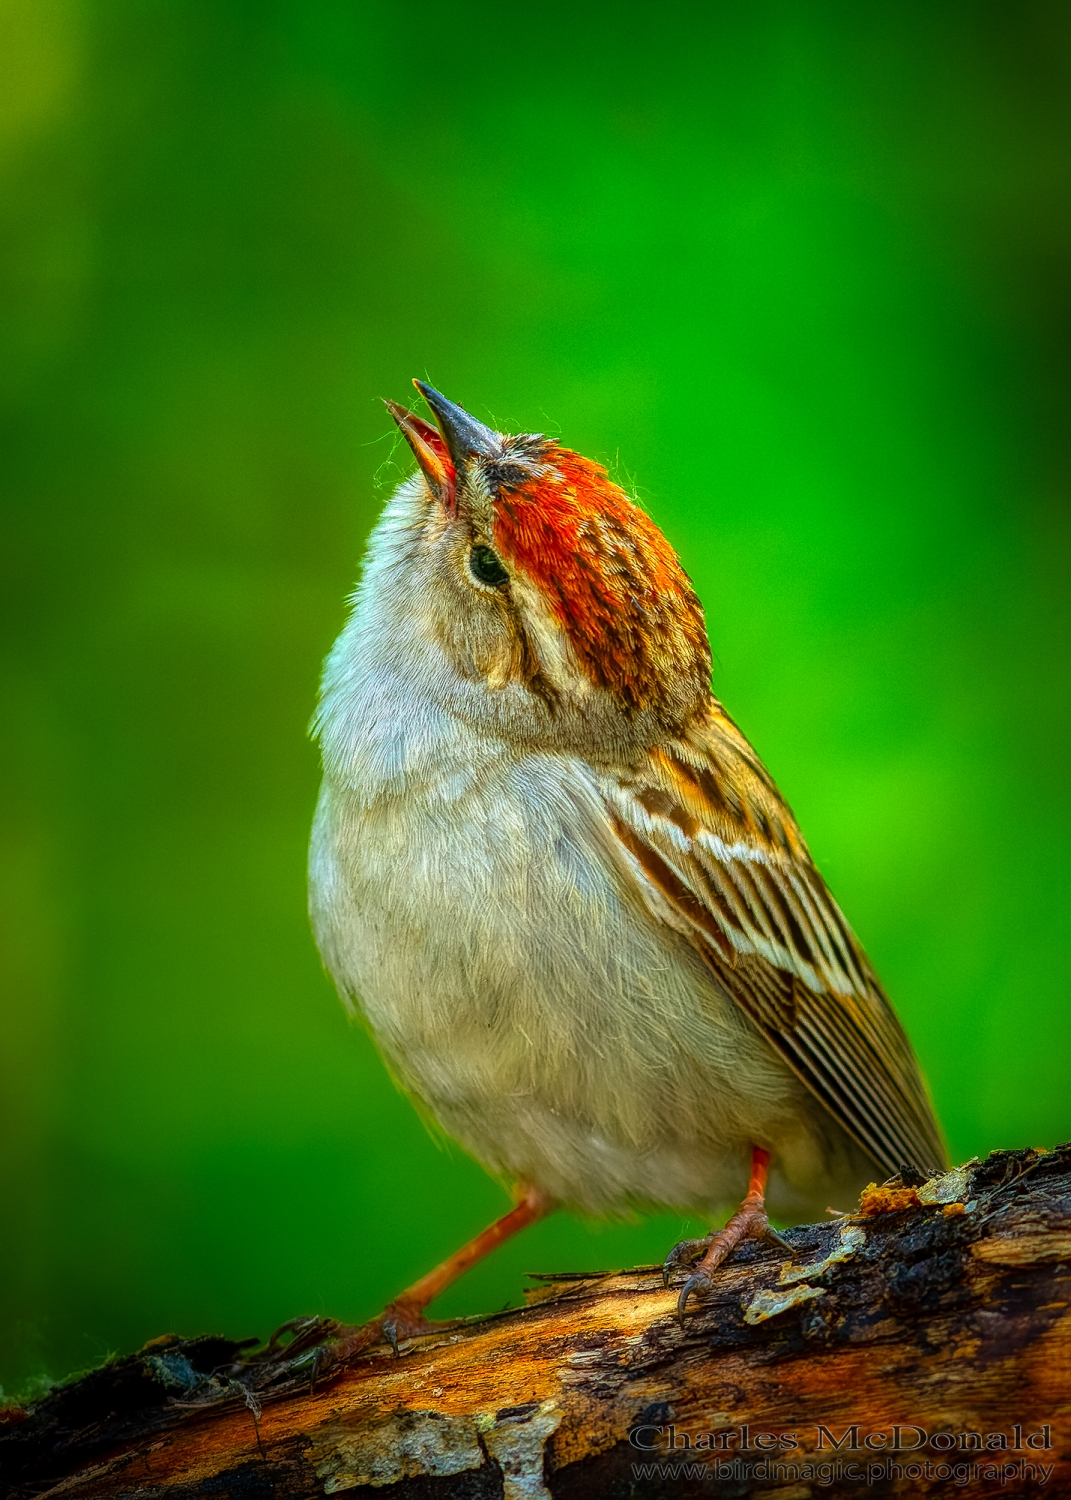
717,853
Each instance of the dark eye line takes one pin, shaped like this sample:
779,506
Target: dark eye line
486,567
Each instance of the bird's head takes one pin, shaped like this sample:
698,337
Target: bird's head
543,601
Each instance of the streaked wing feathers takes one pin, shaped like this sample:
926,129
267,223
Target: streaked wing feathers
718,855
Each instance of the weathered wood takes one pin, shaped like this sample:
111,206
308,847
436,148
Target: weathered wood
947,1320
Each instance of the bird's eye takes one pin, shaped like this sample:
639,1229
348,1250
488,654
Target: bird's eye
485,566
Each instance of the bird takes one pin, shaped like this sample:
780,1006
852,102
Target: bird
561,888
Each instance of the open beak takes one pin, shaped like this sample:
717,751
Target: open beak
431,454
444,453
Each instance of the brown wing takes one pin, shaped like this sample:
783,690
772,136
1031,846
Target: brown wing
719,855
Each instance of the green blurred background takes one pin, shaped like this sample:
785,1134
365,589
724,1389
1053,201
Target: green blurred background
798,272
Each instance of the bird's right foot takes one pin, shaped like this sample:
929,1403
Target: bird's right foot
749,1222
684,1252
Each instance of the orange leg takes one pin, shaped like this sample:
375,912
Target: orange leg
749,1222
404,1317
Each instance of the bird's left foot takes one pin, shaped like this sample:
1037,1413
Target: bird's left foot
396,1325
320,1344
324,1341
401,1321
748,1223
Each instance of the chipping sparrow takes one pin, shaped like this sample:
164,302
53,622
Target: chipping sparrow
560,885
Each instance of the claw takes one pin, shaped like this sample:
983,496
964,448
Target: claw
304,1331
748,1223
401,1321
698,1282
683,1250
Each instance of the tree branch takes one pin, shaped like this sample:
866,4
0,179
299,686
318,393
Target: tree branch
919,1335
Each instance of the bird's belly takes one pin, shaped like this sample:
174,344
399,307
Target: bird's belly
529,999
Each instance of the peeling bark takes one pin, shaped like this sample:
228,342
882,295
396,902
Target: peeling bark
927,1334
